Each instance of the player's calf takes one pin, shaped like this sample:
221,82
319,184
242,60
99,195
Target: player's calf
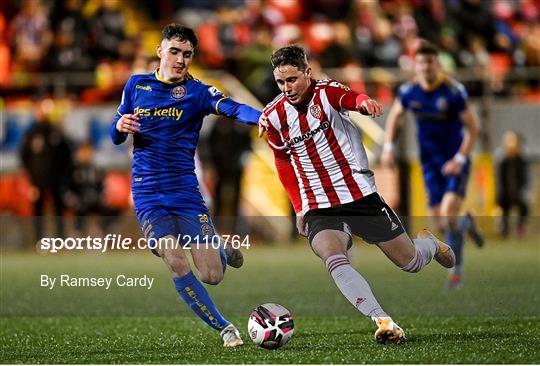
175,260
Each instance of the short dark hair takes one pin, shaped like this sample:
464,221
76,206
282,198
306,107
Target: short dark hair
181,33
427,48
290,55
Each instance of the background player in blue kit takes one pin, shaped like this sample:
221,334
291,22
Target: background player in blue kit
164,112
447,128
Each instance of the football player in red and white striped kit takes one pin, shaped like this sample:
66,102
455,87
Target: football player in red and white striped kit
323,166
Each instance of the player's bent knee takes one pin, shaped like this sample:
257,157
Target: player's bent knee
212,276
327,243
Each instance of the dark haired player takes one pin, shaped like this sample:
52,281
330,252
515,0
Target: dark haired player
164,111
322,164
440,106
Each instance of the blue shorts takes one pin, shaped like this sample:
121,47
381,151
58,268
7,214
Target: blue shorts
159,218
438,184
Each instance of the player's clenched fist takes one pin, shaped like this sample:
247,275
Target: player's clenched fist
370,107
301,225
128,123
263,125
452,167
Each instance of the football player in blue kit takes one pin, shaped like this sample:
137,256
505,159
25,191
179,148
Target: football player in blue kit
164,110
447,128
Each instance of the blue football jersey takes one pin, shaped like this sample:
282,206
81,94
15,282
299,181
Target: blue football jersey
171,116
437,113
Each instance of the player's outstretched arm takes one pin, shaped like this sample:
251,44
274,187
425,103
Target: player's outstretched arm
362,103
241,112
392,125
263,125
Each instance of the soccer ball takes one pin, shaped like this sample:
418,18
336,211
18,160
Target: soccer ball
270,326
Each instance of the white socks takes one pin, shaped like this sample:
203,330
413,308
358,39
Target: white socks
353,286
425,250
356,289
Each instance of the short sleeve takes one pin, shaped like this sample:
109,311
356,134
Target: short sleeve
335,92
212,96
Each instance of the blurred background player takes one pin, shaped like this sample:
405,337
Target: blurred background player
447,129
230,145
512,183
46,157
323,166
163,111
86,192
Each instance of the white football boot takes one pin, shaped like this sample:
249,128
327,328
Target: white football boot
388,331
231,336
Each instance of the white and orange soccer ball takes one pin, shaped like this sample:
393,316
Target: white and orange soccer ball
270,326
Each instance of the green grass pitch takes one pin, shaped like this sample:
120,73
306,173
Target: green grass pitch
495,318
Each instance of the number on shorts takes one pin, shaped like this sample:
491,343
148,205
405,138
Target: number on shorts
387,214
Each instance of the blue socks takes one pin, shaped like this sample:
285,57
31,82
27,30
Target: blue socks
465,223
223,257
455,238
198,299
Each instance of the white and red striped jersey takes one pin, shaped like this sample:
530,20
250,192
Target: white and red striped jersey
318,151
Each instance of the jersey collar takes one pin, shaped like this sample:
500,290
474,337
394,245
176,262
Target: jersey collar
440,79
156,74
